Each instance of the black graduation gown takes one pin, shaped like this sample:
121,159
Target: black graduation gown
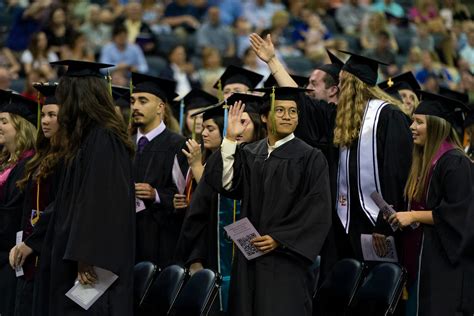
159,225
33,236
10,224
443,275
297,215
93,221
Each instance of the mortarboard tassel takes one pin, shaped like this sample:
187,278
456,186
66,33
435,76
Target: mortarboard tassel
130,106
38,120
181,115
226,119
220,93
193,135
272,110
109,82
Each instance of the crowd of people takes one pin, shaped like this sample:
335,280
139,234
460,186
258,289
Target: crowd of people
136,131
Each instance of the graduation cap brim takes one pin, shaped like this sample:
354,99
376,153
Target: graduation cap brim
459,96
252,102
283,93
119,91
160,87
405,80
334,67
440,106
364,68
19,105
48,91
469,119
78,68
301,81
209,108
197,99
234,74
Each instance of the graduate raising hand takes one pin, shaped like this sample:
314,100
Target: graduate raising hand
262,47
235,124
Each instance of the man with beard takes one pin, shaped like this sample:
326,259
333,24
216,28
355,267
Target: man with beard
158,166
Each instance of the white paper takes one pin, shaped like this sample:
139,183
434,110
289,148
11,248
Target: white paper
139,205
86,295
369,253
241,232
19,238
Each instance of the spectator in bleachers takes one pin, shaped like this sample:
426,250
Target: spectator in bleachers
423,39
28,90
315,39
388,6
115,8
253,63
96,32
181,70
467,53
242,30
282,34
231,10
371,28
213,33
126,56
38,56
9,62
413,62
424,11
211,69
138,31
77,48
58,31
153,16
181,15
350,16
432,68
453,10
5,78
26,21
260,12
384,52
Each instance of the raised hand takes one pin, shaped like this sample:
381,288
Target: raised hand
194,154
235,125
262,47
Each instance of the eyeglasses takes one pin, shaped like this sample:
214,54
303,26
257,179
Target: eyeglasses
280,112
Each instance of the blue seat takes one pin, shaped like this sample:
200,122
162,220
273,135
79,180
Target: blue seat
197,295
143,274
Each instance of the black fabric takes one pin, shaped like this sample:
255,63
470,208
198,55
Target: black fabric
300,81
444,276
296,215
79,68
198,98
93,223
10,223
48,91
19,105
158,226
235,74
160,87
405,80
364,68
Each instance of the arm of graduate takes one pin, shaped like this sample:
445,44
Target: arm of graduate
304,230
35,240
394,151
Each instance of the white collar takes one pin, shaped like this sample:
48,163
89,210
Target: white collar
153,133
280,142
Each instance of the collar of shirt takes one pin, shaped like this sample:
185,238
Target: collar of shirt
280,142
153,133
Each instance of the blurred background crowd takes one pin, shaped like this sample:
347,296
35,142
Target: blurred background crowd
192,41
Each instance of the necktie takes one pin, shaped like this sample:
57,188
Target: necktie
142,142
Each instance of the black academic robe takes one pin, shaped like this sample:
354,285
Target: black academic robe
297,215
10,223
444,277
159,225
93,222
34,236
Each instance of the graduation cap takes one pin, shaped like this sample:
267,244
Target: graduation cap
403,81
461,97
77,68
198,98
121,96
448,109
234,74
48,90
364,68
334,67
301,81
160,87
253,103
469,120
211,111
15,103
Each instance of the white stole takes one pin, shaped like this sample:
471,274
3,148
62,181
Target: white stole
367,168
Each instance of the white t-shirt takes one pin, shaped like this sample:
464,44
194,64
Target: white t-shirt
27,58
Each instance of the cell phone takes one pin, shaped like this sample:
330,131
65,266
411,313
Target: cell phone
384,207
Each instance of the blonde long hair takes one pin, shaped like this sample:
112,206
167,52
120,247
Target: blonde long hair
25,139
351,106
437,130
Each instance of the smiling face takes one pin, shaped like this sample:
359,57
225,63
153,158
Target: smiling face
7,131
418,129
211,135
409,98
286,118
49,120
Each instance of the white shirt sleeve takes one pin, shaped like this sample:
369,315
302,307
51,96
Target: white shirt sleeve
228,148
26,57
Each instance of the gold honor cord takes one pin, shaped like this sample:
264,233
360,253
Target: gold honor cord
220,92
272,110
130,105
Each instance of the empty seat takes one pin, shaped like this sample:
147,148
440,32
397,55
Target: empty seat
143,274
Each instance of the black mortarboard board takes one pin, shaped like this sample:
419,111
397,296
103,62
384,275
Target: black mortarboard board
448,109
461,97
364,68
334,67
301,81
198,98
469,120
119,91
253,103
234,74
212,111
405,80
48,90
160,87
77,68
15,103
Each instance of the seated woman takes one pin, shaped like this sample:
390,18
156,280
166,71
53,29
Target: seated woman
18,118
